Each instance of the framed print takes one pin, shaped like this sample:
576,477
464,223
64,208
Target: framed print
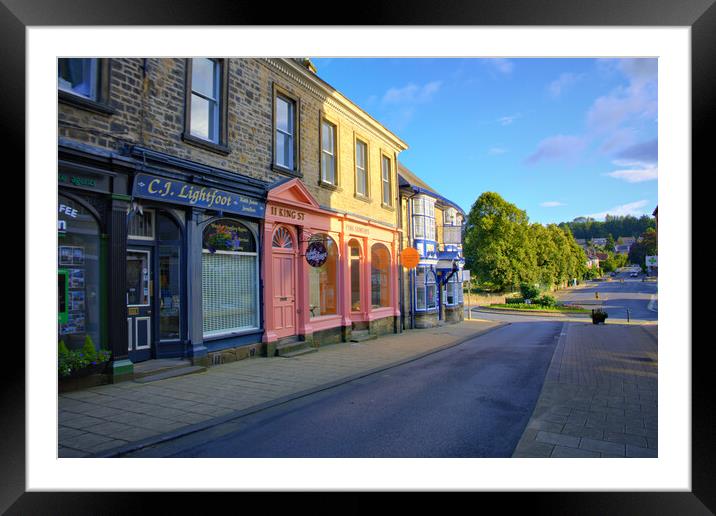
30,465
66,255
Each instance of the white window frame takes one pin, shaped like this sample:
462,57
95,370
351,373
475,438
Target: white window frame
385,180
290,132
329,154
214,103
364,169
257,322
93,80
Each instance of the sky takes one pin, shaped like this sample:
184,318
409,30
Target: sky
560,138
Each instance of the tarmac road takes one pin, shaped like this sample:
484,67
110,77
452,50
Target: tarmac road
471,400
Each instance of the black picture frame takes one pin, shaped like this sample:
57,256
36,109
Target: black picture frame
700,15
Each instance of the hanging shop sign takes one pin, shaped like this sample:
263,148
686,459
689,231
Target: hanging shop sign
410,258
316,254
179,192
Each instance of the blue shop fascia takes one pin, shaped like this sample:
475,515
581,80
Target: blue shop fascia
160,257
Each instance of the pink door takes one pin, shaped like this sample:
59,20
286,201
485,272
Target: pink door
284,284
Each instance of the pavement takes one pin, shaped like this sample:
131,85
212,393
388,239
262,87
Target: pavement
109,420
599,398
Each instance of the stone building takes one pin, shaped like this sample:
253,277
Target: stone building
190,191
432,224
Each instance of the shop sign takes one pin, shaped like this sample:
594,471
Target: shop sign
316,254
287,213
410,257
180,192
84,182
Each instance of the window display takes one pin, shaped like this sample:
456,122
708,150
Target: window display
380,276
323,280
78,258
229,278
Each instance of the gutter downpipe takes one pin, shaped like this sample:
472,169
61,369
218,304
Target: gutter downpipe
411,279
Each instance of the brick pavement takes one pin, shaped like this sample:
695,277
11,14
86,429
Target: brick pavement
99,420
600,395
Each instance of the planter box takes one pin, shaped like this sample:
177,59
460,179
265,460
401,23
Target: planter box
90,376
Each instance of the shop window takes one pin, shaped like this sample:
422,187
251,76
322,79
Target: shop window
78,260
425,289
380,276
229,278
323,281
355,264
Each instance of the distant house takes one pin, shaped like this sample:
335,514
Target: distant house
626,240
602,256
622,248
593,263
623,245
601,242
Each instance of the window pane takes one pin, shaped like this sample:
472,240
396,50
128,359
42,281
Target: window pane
169,300
204,77
167,229
328,165
323,282
78,76
284,115
141,225
431,301
327,137
137,278
361,187
78,256
380,276
229,292
284,150
420,298
203,118
360,155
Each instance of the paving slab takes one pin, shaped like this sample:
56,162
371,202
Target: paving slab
603,378
133,415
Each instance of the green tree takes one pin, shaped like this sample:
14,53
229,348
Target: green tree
498,244
648,246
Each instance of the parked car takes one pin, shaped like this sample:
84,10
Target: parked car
634,275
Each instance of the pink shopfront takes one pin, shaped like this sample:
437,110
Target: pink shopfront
355,288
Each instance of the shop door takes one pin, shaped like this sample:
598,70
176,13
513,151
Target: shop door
139,304
284,295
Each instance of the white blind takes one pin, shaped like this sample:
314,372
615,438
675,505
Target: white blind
229,292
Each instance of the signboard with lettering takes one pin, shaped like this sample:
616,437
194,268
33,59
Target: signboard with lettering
180,192
316,254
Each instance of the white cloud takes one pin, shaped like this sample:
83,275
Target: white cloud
494,151
552,204
412,93
632,103
558,147
507,120
565,81
632,208
500,65
636,175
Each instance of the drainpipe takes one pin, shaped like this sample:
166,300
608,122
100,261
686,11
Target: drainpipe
411,276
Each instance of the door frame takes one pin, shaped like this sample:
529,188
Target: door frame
293,252
149,351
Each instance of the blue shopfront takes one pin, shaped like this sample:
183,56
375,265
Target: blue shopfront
192,262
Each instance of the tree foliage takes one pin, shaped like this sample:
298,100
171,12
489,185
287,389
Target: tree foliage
504,250
648,246
613,225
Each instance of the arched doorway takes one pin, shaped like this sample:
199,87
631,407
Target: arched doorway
155,285
283,269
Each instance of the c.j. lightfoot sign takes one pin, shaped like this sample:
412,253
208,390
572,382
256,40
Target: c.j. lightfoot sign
180,192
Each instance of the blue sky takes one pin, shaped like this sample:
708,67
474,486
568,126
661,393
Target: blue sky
560,138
